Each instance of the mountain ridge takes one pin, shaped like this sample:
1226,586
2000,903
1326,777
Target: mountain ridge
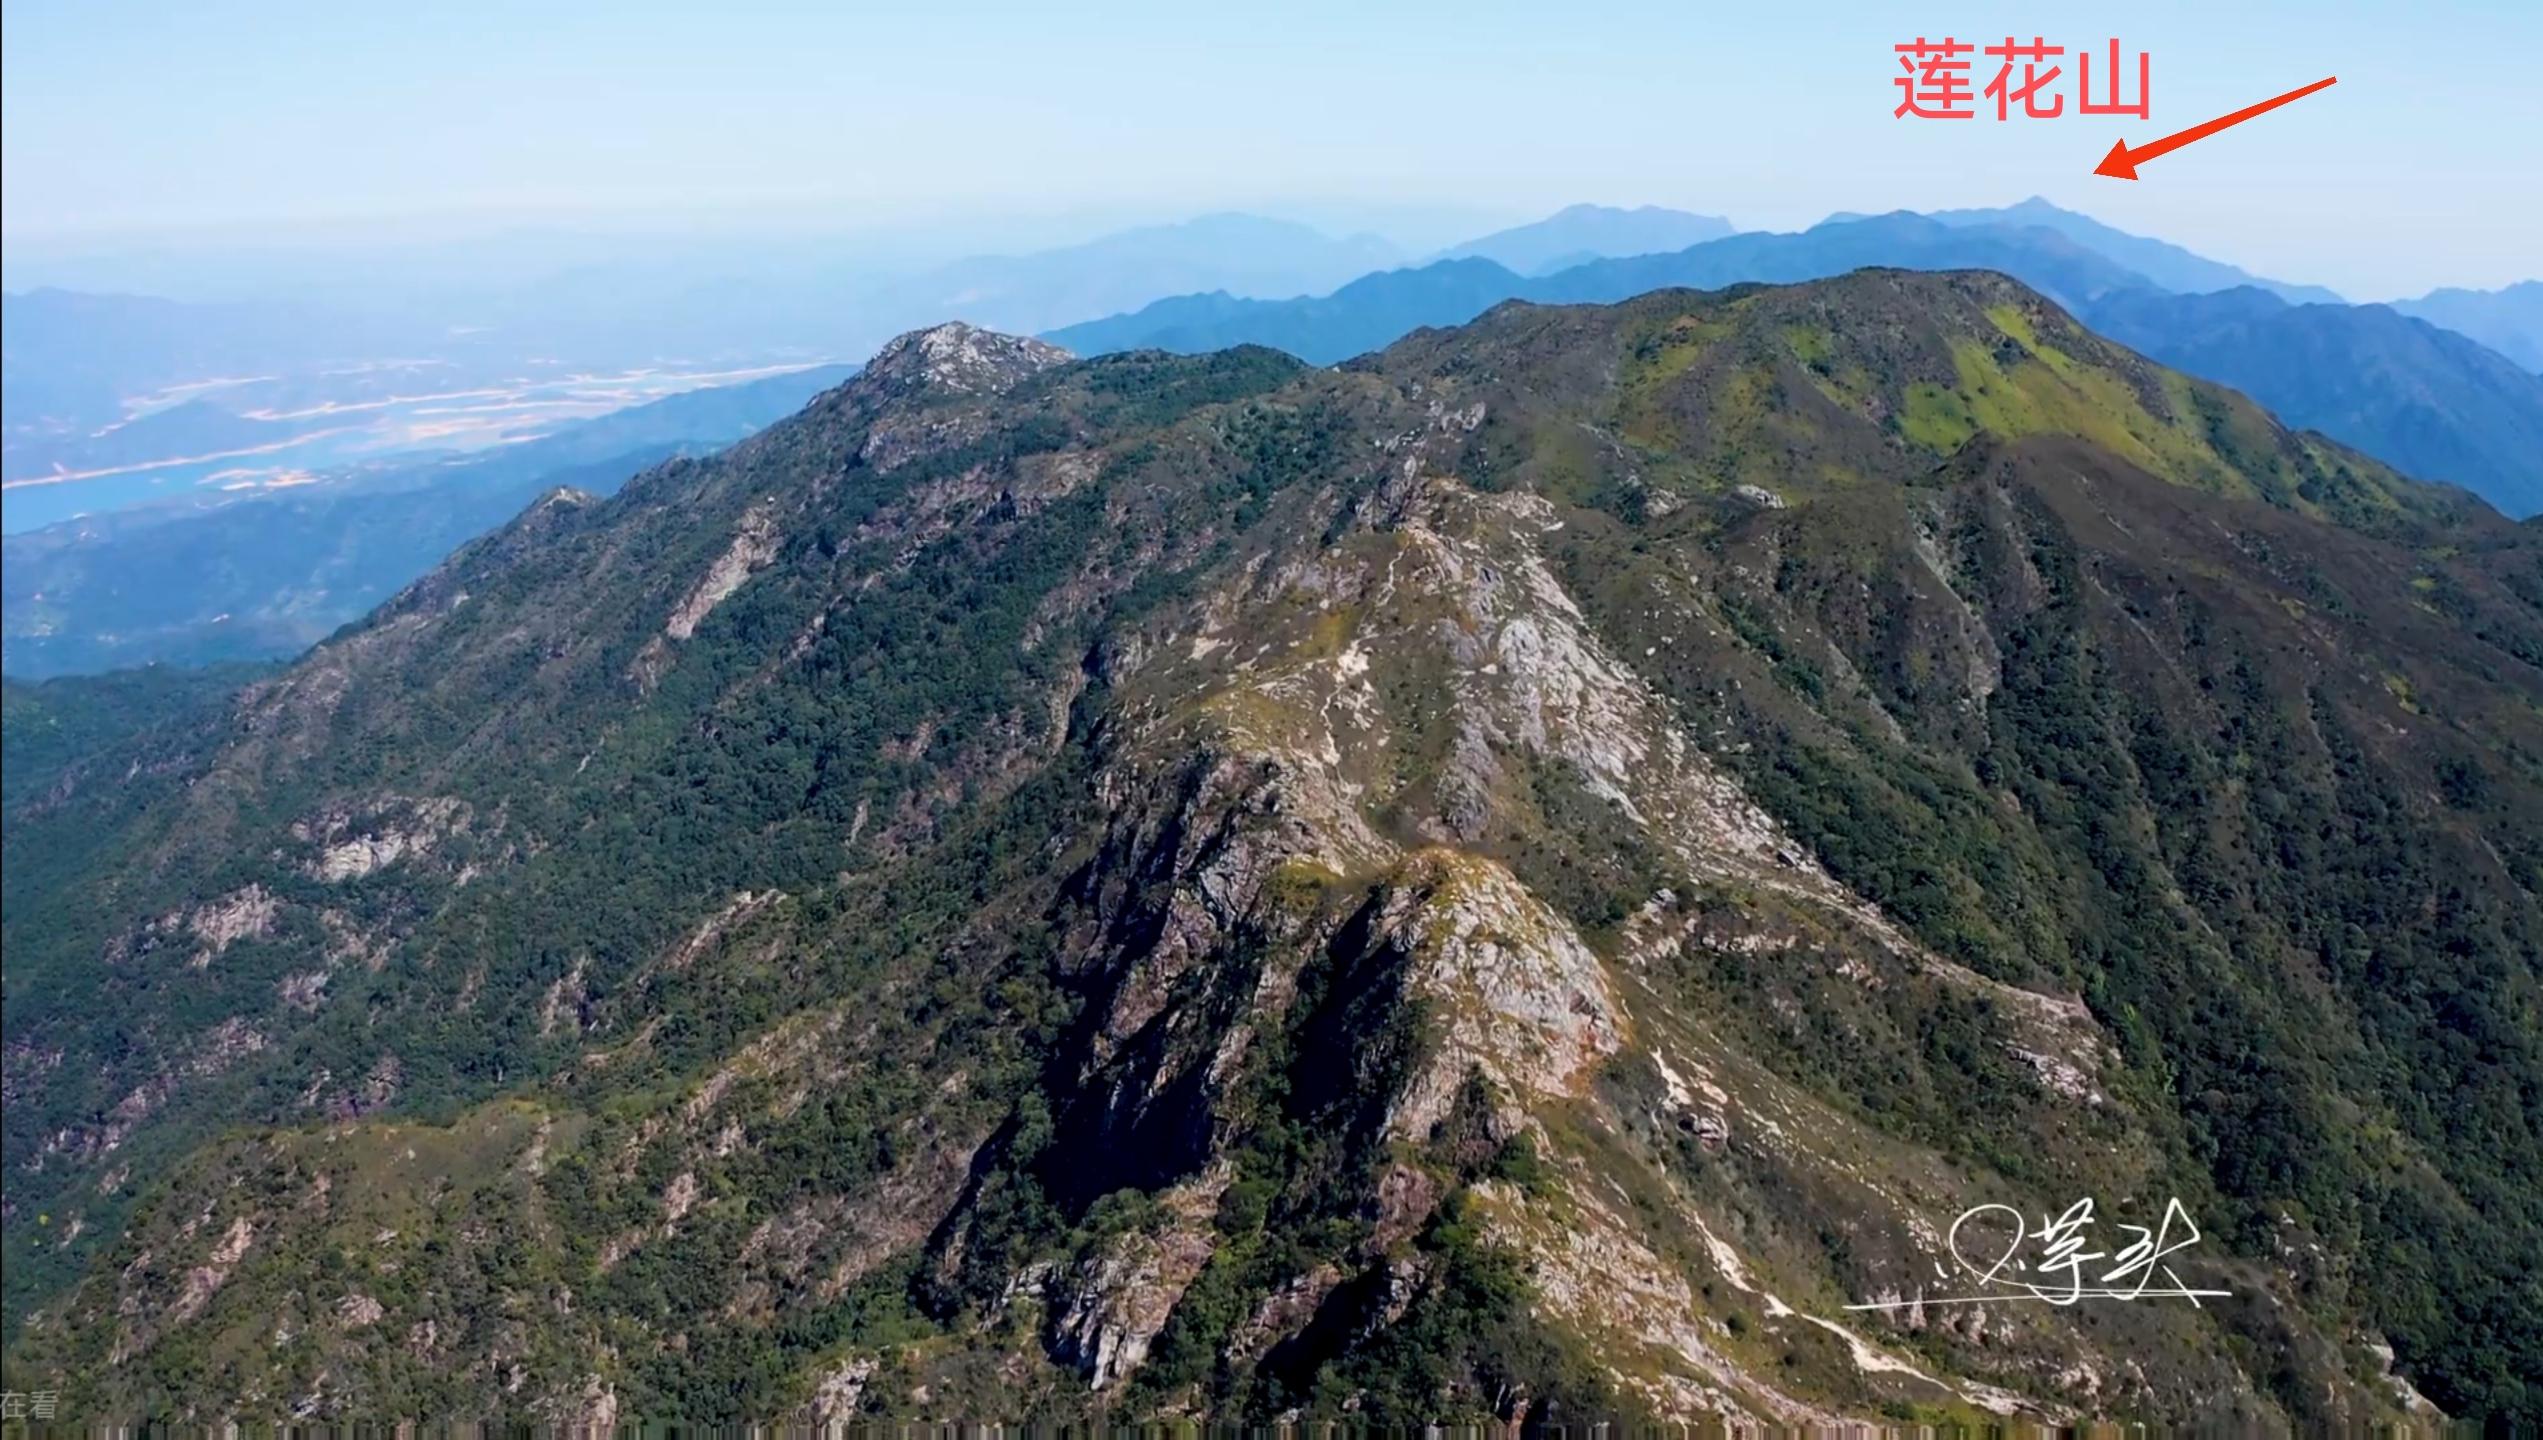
1576,234
2458,414
265,575
2168,266
2508,320
1431,886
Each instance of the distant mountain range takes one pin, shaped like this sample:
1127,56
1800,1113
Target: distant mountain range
1258,257
1245,254
112,400
2400,388
233,577
2159,261
268,574
2509,321
1375,309
1578,234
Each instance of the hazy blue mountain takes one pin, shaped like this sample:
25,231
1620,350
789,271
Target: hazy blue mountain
2414,394
1376,309
2509,321
2422,398
2167,265
1578,234
2042,259
849,303
1241,254
80,363
268,574
1363,315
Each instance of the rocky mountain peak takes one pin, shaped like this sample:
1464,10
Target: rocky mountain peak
965,358
1206,886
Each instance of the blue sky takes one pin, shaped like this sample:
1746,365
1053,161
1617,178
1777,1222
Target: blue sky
269,119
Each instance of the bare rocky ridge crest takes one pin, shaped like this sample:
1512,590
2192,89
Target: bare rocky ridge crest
1386,830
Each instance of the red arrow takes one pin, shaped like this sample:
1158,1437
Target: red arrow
2121,163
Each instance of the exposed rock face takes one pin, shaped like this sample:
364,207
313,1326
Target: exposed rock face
754,545
206,1278
1111,1309
1522,999
1307,748
949,363
350,845
592,1415
834,1401
1191,871
962,358
245,915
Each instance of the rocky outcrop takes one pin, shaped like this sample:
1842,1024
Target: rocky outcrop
351,843
754,544
960,358
1515,993
1109,1309
1267,858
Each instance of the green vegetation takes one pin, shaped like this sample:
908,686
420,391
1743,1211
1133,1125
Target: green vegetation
921,912
2327,980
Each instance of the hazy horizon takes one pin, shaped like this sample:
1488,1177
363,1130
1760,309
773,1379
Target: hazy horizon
178,131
